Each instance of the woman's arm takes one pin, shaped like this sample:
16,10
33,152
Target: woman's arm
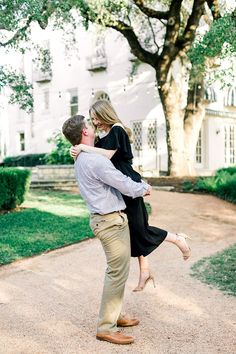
75,150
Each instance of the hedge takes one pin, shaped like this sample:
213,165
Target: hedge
14,184
28,160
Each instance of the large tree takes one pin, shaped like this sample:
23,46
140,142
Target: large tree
159,33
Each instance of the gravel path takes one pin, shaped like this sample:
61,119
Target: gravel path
49,303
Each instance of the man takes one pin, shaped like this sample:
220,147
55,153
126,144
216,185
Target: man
101,185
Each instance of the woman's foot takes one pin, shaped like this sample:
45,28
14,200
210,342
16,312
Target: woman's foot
144,277
183,246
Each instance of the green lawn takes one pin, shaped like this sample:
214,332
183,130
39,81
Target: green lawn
218,270
48,220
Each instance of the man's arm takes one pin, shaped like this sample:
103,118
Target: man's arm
108,174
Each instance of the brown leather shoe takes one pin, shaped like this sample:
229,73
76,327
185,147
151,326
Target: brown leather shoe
115,337
125,321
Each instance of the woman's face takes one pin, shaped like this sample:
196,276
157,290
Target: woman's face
98,124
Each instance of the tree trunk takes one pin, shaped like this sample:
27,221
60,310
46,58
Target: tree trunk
194,114
183,119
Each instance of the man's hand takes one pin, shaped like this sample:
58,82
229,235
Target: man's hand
148,191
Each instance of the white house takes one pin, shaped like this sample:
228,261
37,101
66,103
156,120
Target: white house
101,67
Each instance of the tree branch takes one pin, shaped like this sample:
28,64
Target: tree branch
128,32
186,40
153,35
151,13
215,8
18,34
42,19
47,10
134,43
173,23
172,31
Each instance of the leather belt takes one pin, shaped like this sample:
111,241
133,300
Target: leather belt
112,212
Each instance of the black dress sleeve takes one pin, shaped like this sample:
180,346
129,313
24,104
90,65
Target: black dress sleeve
117,139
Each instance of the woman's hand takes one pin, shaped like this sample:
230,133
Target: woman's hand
75,151
148,191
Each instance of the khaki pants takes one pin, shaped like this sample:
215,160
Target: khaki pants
113,232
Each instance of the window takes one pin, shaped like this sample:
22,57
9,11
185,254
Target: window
22,141
101,95
98,96
46,100
199,148
73,97
230,97
230,144
210,94
152,135
97,61
137,135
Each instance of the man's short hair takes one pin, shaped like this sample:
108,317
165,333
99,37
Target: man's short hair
72,129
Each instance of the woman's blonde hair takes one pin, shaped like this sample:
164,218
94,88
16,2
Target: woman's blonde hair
103,110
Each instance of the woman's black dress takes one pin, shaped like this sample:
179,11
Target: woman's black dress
144,238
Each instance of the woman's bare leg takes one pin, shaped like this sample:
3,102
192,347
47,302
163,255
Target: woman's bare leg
143,263
180,241
144,273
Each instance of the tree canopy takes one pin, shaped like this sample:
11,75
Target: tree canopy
184,36
154,29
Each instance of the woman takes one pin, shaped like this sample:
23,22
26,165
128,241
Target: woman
116,146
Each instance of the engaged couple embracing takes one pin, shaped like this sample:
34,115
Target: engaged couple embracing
113,192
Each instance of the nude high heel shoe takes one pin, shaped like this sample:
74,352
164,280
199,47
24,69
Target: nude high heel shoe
143,283
183,246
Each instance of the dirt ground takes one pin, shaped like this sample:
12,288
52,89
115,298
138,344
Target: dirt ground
49,304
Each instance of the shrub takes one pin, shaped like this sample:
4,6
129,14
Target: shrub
223,184
28,160
207,184
60,155
187,186
14,185
227,189
230,170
